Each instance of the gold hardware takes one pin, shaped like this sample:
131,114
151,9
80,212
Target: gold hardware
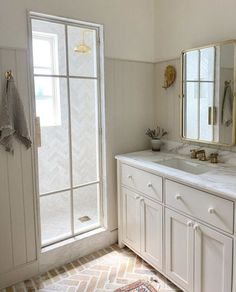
83,48
37,132
193,153
203,157
8,75
170,76
200,154
209,115
214,157
214,115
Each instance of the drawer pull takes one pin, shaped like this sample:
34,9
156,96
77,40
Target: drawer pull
178,197
130,176
149,185
196,227
190,223
211,210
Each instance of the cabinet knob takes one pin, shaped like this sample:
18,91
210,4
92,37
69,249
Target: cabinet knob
149,185
211,210
196,227
129,176
142,200
137,197
178,197
190,223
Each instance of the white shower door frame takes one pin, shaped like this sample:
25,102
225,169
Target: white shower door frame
100,116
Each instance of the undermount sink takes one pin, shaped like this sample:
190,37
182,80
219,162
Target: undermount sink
185,165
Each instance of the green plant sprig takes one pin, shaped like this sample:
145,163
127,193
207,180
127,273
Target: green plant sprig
155,134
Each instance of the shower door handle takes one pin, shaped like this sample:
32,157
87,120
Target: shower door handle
37,132
214,115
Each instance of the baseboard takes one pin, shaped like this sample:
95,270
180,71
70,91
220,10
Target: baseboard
58,256
19,274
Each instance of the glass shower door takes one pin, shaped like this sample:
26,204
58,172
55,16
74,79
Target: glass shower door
67,105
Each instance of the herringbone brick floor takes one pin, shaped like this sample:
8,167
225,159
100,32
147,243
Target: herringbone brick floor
104,270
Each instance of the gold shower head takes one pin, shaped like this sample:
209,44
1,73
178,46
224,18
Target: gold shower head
82,48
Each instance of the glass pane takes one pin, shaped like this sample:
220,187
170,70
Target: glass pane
84,128
191,111
55,215
49,49
86,206
207,71
192,65
82,63
53,155
206,101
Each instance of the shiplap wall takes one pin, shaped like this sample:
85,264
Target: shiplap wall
17,203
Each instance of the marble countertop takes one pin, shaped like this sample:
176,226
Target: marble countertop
220,179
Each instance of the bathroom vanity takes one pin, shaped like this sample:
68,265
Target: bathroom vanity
178,215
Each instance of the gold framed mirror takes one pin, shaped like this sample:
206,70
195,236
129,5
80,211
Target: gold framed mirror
208,107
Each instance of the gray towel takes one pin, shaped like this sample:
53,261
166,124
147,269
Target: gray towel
227,106
12,118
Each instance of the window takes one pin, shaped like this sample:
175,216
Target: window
47,90
68,100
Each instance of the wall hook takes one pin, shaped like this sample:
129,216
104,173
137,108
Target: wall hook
8,75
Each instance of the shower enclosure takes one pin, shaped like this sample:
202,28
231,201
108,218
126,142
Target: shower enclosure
67,74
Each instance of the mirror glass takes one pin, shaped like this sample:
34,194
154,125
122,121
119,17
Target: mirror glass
208,94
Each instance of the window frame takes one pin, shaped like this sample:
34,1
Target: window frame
52,39
101,182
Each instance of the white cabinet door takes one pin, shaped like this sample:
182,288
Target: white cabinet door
131,218
179,249
151,232
213,261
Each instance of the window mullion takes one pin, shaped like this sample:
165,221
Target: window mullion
70,131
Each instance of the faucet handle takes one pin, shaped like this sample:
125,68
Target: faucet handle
193,153
214,157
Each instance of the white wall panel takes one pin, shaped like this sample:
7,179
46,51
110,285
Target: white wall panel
17,223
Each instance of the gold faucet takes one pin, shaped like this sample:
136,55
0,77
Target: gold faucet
214,157
200,154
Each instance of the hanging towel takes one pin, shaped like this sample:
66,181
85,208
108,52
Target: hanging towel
227,106
12,118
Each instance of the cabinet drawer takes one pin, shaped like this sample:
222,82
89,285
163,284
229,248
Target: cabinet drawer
142,181
212,209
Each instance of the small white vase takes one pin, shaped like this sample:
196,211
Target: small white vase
156,144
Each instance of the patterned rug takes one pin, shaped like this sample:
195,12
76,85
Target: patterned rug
138,286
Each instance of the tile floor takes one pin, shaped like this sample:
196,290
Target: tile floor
104,270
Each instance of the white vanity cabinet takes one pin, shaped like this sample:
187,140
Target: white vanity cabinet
131,218
191,246
141,219
212,260
142,226
151,232
179,249
185,233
